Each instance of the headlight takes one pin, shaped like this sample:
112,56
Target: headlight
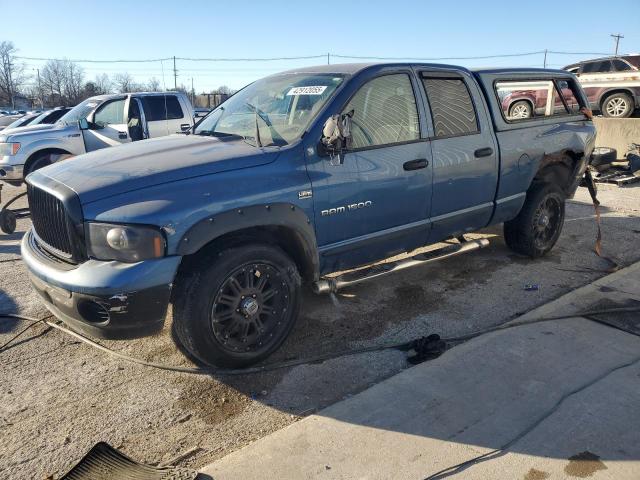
124,243
9,149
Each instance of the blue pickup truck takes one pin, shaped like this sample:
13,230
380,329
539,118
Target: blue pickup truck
297,176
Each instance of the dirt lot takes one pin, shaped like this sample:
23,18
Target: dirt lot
59,397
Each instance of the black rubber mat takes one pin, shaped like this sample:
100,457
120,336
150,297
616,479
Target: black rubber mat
626,321
103,462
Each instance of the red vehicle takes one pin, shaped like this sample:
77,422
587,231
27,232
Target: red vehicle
532,102
612,84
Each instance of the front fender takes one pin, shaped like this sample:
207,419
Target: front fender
266,215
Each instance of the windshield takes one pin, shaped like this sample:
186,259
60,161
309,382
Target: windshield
272,111
79,111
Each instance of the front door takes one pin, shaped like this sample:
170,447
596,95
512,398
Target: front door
465,168
375,202
108,126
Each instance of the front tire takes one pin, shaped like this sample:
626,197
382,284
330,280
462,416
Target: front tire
537,227
238,307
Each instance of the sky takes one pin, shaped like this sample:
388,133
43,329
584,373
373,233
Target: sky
277,28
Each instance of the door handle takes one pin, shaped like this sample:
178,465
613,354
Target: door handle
416,164
122,135
483,152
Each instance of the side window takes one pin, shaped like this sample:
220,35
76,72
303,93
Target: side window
154,107
384,112
601,66
111,113
451,107
522,100
620,66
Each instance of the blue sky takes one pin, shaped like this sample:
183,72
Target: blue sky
277,28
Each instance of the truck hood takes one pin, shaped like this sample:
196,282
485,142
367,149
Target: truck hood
25,134
134,166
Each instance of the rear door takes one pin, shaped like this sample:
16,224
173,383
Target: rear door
164,115
108,125
465,168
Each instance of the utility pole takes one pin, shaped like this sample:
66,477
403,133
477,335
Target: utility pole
10,85
617,37
193,93
40,90
328,61
175,74
545,58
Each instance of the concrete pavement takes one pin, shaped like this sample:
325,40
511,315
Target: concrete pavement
562,397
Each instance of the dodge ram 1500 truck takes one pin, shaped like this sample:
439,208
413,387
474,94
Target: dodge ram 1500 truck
299,175
98,122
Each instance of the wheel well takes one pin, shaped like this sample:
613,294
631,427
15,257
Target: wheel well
39,153
286,238
612,92
557,168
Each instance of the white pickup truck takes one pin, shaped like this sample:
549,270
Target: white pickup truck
98,122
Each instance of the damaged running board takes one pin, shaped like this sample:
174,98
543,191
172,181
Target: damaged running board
329,285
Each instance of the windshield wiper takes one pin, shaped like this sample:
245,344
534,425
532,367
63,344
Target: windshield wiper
255,112
265,118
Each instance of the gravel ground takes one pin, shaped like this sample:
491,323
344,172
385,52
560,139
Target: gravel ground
58,397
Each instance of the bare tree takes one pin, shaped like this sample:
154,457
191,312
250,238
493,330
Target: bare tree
12,73
73,83
223,89
103,84
124,82
52,78
153,85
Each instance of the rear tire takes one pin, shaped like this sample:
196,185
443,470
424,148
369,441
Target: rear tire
618,105
538,225
238,307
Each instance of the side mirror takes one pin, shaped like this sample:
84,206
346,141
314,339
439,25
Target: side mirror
336,135
83,124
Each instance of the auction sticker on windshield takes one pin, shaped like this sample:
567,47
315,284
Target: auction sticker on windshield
310,90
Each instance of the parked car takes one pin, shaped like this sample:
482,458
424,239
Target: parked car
49,117
98,122
22,121
7,120
612,84
199,113
297,176
535,98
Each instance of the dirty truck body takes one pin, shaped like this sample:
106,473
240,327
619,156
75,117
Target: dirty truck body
228,222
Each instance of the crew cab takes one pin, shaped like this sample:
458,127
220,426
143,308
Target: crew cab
98,122
298,176
612,84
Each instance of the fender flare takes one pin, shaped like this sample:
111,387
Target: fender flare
265,215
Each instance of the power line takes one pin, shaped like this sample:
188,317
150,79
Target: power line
310,57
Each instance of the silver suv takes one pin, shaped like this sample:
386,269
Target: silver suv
98,122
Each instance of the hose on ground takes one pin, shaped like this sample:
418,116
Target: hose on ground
404,346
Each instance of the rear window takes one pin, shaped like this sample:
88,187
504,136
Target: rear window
451,107
621,66
161,107
524,100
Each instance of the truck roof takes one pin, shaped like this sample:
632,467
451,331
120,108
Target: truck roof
353,68
141,94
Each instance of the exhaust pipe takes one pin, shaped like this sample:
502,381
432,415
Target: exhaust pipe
332,285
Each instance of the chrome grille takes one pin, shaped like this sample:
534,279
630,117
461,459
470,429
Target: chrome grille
51,223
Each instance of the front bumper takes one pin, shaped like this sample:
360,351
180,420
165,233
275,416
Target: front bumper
103,299
11,172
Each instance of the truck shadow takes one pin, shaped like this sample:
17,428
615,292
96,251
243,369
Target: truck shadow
416,303
7,304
